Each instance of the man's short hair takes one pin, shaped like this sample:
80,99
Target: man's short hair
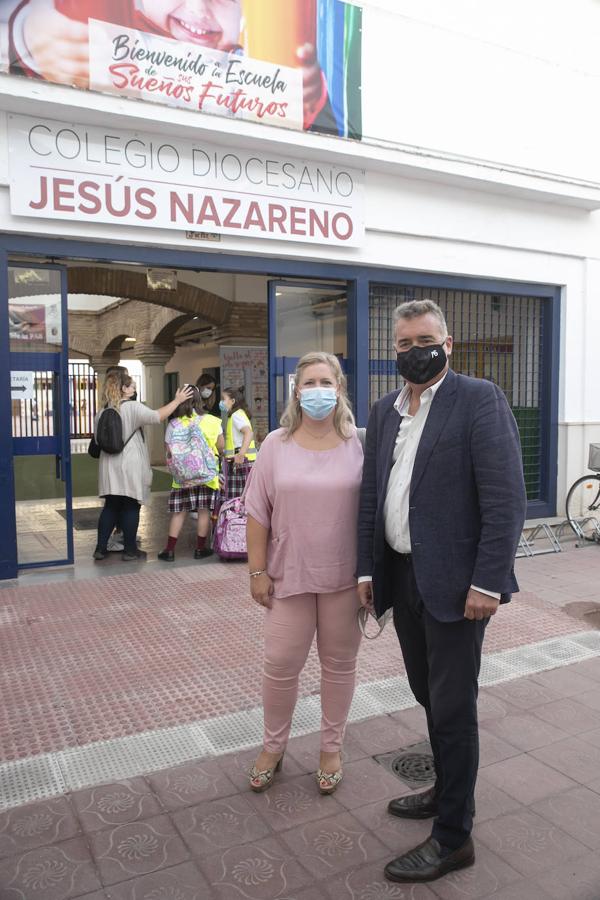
415,308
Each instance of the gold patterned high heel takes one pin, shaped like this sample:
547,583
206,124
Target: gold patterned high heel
329,782
260,781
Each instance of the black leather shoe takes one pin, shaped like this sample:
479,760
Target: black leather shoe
100,554
426,862
202,554
415,806
167,555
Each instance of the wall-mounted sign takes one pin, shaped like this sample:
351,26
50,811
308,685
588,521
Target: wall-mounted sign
92,174
22,386
293,63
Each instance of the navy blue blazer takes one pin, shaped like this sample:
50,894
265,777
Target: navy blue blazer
467,497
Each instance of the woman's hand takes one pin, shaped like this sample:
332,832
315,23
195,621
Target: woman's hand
261,588
239,459
183,393
59,45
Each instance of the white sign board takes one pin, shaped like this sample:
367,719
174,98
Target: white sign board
22,386
91,174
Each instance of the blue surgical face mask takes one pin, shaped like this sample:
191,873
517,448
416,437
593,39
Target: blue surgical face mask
223,406
318,402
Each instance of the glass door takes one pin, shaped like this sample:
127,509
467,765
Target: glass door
303,316
40,415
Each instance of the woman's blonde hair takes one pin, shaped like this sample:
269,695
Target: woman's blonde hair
112,389
343,420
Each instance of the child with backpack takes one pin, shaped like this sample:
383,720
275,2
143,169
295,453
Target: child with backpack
193,444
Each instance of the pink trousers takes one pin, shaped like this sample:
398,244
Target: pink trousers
290,627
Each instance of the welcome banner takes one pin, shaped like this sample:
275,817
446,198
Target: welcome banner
289,63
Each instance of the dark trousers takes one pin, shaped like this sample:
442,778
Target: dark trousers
442,662
121,511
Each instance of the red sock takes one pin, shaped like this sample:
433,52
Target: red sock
171,541
200,542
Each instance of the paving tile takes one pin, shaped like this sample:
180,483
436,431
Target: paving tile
525,731
381,734
528,843
304,751
527,779
137,849
36,825
115,804
493,749
59,872
287,804
588,667
524,693
576,879
590,698
369,883
191,784
569,715
490,801
521,890
413,718
565,682
332,846
577,812
489,874
219,824
182,882
263,871
365,782
574,757
399,835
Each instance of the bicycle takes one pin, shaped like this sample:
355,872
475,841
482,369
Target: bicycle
583,500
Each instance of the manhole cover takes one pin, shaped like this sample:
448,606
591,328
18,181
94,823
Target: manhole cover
413,765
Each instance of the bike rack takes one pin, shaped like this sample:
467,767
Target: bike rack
579,525
527,541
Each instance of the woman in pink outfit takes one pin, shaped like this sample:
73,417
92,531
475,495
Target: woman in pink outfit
302,505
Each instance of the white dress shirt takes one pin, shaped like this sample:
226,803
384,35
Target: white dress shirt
396,507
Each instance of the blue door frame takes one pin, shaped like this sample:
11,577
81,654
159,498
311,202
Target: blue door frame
284,366
57,445
358,279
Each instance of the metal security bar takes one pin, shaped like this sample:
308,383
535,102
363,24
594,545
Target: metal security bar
82,399
496,336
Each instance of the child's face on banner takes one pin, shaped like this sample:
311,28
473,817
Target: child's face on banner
210,23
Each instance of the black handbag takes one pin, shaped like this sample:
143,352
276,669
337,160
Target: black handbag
94,449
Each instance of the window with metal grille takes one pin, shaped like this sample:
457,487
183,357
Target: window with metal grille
82,399
496,336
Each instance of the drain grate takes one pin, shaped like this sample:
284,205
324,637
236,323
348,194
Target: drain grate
413,765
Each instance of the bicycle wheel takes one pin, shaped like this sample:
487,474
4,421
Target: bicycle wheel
583,507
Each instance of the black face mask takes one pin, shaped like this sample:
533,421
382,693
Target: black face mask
420,364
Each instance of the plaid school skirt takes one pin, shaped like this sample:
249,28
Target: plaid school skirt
236,479
190,499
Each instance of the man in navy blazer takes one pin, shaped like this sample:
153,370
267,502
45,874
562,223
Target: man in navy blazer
441,512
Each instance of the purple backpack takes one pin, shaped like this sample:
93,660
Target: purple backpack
229,536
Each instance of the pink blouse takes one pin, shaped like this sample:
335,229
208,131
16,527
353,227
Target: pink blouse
308,499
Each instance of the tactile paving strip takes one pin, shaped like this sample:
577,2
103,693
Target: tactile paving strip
49,774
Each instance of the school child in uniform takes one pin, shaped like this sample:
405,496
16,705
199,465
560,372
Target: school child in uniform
188,438
240,448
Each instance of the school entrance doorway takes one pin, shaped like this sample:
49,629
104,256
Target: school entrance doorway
70,321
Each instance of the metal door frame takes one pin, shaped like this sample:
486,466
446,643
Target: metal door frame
280,365
42,446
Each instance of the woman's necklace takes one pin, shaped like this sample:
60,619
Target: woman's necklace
317,437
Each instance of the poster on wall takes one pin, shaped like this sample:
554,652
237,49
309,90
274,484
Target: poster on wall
291,63
35,320
247,368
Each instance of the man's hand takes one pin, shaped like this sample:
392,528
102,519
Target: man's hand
480,606
365,595
239,459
